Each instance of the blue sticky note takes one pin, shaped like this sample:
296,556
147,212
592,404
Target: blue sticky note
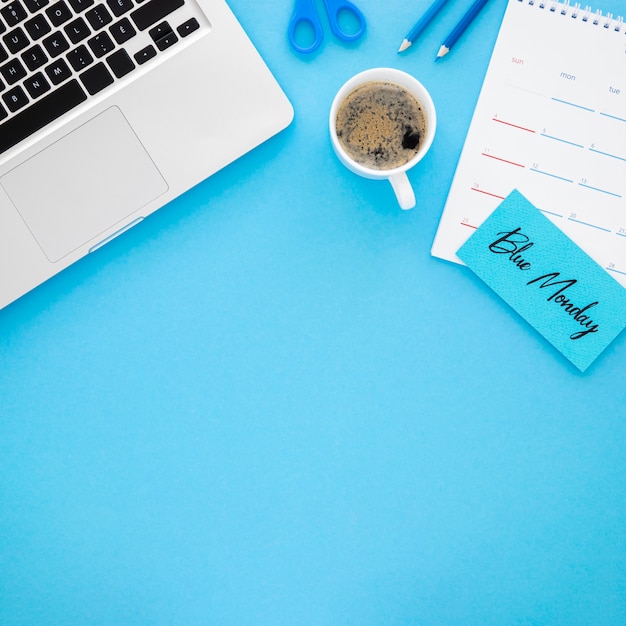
553,284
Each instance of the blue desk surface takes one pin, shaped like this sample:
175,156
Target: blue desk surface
268,404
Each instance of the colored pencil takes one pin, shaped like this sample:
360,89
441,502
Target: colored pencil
459,29
421,24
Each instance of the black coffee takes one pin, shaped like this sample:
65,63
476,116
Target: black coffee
381,125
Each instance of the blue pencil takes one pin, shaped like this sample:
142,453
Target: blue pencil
422,24
459,29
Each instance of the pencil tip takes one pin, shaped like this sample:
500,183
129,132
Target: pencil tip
442,52
405,44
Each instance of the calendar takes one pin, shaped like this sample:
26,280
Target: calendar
550,122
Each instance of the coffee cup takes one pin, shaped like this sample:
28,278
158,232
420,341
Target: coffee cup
382,123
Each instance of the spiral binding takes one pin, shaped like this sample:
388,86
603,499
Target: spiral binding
577,13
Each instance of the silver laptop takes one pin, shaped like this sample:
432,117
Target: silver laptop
108,110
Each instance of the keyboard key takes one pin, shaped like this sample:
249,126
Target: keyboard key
120,63
16,40
41,113
34,5
166,41
37,27
13,13
79,58
145,54
96,78
36,85
3,112
123,30
59,13
159,30
56,44
2,27
4,55
34,57
188,27
119,7
58,71
153,11
98,17
77,30
80,5
15,99
101,44
13,71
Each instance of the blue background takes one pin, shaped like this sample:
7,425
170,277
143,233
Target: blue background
268,404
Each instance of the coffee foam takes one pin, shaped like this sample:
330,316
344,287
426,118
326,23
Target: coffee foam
380,125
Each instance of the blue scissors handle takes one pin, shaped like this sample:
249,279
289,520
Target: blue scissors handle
305,13
334,8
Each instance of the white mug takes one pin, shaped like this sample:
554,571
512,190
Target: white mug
397,176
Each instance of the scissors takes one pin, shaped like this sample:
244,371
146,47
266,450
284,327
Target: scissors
306,13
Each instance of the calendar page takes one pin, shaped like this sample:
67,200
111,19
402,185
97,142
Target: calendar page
551,122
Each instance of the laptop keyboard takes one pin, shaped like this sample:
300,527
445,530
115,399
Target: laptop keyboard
55,54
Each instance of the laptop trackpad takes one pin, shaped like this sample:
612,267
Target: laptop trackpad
83,184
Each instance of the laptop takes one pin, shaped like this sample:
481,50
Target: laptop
109,109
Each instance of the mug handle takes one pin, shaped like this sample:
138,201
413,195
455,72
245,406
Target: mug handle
403,190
